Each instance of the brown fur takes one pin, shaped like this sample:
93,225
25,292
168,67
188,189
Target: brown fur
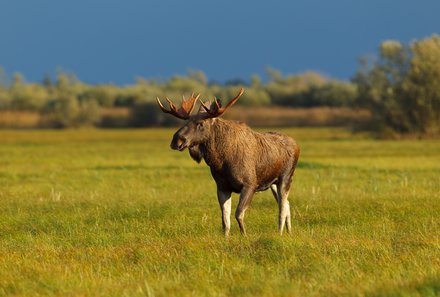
239,156
240,159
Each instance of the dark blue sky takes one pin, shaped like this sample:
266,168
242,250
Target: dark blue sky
116,41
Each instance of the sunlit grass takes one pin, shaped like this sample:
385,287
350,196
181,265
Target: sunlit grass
113,213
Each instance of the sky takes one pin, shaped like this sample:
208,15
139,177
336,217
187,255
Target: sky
110,41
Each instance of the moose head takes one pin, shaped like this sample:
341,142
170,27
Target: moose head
197,127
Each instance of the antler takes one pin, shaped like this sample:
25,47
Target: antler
216,109
184,111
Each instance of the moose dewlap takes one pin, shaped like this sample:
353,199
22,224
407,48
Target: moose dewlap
241,160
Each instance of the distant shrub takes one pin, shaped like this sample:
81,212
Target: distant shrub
331,94
290,90
5,99
69,112
402,87
104,95
149,114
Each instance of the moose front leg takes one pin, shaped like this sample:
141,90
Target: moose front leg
246,195
224,199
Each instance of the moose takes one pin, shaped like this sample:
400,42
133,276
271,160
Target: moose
241,160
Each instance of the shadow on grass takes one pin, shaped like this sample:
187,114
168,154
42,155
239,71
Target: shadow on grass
428,287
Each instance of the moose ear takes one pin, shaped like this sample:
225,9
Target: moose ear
196,153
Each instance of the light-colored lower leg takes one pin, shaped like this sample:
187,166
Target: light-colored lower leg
274,190
288,219
283,212
281,219
227,216
225,201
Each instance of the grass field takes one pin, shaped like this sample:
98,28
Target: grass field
118,213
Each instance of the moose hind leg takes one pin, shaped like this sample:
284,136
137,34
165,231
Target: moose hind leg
284,218
274,190
224,199
283,208
245,200
288,218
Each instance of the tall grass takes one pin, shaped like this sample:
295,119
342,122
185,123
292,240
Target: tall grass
117,117
301,117
117,213
19,119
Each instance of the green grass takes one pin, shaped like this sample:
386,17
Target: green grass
118,213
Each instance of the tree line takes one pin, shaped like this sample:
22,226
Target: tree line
400,86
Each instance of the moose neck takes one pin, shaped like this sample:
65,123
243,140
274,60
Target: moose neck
223,141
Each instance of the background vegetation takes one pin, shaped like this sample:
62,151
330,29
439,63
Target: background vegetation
116,213
402,86
400,89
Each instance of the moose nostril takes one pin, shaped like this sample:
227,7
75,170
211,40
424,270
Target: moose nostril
177,142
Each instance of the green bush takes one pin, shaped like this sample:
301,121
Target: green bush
402,86
149,114
69,112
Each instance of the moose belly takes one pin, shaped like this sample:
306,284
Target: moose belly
265,185
227,180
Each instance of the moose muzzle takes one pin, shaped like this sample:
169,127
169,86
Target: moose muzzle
178,143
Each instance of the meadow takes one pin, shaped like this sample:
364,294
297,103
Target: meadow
118,213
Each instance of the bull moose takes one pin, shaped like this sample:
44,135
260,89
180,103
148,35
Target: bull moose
241,160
